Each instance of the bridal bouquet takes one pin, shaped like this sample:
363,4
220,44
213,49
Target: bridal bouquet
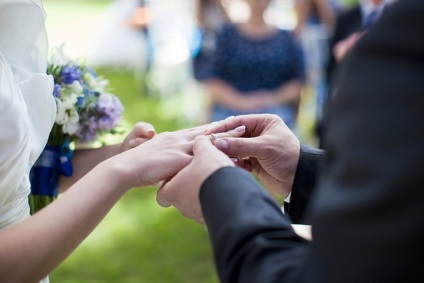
85,112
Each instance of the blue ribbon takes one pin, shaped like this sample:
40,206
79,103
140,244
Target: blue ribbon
44,175
53,161
66,155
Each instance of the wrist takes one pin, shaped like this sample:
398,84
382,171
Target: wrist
116,174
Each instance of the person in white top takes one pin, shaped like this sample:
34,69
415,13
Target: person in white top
31,247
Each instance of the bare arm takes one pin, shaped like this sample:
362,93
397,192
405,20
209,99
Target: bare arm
288,93
86,159
222,93
325,12
301,9
32,249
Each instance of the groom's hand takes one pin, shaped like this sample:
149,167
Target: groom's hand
182,191
268,149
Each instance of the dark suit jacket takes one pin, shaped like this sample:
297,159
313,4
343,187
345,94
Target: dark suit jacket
368,209
347,23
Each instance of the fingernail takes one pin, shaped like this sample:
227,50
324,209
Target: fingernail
221,144
151,133
234,159
240,129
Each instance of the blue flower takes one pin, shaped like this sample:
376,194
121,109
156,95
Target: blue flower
81,102
71,74
57,89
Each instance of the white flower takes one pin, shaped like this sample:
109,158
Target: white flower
77,87
100,84
94,83
67,114
72,125
89,79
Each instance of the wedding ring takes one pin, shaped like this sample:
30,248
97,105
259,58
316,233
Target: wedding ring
212,137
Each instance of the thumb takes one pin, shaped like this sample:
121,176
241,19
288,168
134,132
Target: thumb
162,195
202,144
238,147
144,129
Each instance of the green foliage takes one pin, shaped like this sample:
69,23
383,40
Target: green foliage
36,202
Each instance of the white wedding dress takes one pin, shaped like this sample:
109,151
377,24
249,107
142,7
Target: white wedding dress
27,107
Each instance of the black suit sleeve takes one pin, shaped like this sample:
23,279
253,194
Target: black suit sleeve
309,167
251,238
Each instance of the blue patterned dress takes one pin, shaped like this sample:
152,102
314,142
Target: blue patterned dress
252,64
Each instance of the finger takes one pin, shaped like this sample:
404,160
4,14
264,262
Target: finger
202,144
238,147
237,132
244,163
162,196
201,128
203,150
144,129
252,122
255,166
226,125
190,134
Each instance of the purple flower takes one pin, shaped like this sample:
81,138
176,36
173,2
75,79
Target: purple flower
106,123
110,106
87,131
71,74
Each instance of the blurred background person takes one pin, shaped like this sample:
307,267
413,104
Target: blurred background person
140,20
256,69
315,12
210,15
314,26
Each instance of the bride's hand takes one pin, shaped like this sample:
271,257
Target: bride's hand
161,157
140,133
